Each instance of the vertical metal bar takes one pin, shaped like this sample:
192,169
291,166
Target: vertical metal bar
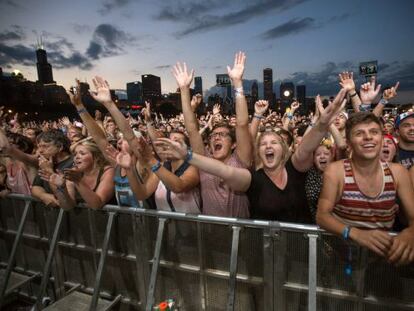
201,263
92,233
233,268
102,261
155,264
50,254
312,271
21,252
268,273
360,276
12,256
279,269
142,280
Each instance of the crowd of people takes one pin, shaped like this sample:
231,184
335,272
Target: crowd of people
351,173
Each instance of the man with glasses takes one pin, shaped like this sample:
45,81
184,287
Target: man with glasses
54,155
218,198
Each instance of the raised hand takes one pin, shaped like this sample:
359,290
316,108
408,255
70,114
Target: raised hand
216,109
102,93
75,95
346,80
328,115
369,92
294,106
111,153
124,159
45,168
182,76
73,174
65,121
391,92
57,180
236,73
196,101
318,106
171,149
260,107
147,112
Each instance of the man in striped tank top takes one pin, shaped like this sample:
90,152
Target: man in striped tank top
358,198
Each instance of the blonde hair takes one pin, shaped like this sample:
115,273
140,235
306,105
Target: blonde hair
285,149
99,159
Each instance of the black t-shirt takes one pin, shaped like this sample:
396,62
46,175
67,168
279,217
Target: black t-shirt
406,157
268,202
67,163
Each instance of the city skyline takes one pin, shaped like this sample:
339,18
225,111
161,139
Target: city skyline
305,42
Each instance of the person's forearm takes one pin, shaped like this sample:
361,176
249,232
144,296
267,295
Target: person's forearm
379,108
172,181
311,141
191,122
355,100
328,222
339,140
254,127
65,200
151,131
139,187
27,158
91,199
244,146
120,121
93,128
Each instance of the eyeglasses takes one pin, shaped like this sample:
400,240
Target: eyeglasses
219,134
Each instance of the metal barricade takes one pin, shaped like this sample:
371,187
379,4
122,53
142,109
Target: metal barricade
203,262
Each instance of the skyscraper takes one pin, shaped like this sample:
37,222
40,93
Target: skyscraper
198,85
151,87
301,97
44,69
268,84
255,92
134,92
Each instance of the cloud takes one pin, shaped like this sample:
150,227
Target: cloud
81,28
10,3
162,67
110,5
15,33
16,54
293,26
296,25
108,41
199,19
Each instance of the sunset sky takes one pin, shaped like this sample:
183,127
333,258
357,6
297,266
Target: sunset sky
303,41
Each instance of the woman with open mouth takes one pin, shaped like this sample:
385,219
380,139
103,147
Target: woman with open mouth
276,189
90,181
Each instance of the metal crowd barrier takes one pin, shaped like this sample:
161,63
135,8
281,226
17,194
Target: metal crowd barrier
131,259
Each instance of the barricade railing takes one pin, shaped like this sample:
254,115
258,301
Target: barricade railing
202,262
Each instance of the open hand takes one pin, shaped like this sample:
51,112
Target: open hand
102,93
182,76
236,73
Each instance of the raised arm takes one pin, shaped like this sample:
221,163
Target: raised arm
184,79
244,147
346,81
238,179
302,159
387,95
369,92
148,121
102,95
90,123
260,108
14,152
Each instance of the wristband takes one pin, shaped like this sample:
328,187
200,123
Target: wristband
189,155
82,110
290,115
257,116
238,91
353,95
345,233
383,101
156,167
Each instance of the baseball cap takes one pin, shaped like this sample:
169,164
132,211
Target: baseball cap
401,117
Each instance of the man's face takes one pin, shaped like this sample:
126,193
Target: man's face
389,128
48,149
31,134
220,143
406,131
366,140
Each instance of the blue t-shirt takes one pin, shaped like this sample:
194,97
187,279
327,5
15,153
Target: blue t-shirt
406,157
123,193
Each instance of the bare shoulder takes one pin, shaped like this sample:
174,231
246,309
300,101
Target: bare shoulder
399,172
335,169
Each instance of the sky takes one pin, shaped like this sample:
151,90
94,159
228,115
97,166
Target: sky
304,41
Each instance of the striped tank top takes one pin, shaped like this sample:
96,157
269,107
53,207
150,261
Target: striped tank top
359,210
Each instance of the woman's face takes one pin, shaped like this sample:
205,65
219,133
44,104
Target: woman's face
322,157
270,150
83,158
388,150
177,137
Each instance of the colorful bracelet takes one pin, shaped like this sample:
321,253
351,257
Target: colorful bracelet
345,233
189,155
257,116
156,167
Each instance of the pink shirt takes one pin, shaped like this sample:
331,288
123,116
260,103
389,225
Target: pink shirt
219,199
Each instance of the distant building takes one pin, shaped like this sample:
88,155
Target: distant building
44,69
268,85
198,85
151,87
254,96
134,92
301,98
287,93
